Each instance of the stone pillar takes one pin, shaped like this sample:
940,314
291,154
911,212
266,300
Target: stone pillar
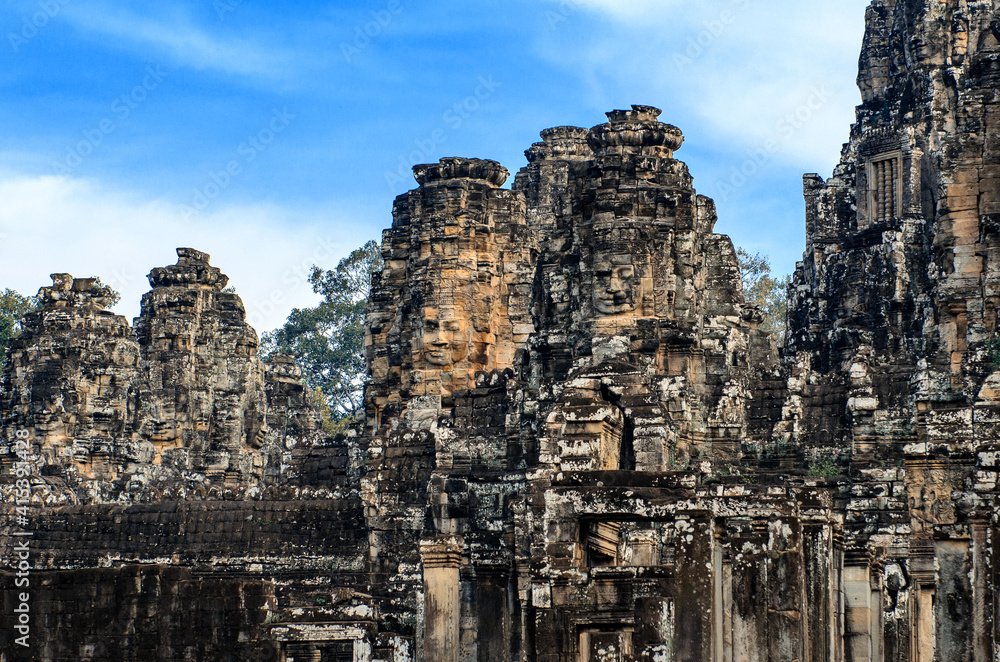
728,642
749,627
695,590
719,603
838,635
784,592
983,594
860,612
442,558
818,553
923,574
877,628
953,608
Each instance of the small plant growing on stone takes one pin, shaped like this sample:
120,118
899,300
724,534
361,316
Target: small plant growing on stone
993,351
824,469
321,601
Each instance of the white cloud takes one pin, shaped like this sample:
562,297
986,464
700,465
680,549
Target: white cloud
738,67
181,41
628,10
64,225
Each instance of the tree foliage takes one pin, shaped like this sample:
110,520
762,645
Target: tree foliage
761,289
13,307
328,340
116,296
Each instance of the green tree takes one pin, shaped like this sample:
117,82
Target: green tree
761,289
116,296
328,340
13,307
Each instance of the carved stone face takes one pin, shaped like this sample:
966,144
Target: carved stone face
614,290
445,341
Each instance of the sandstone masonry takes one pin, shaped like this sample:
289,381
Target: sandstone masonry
578,445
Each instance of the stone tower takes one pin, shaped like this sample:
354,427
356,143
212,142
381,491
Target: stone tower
453,297
203,388
578,445
633,277
893,331
72,378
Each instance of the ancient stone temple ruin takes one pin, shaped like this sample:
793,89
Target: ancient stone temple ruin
578,445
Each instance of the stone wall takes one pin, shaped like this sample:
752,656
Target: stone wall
141,613
578,445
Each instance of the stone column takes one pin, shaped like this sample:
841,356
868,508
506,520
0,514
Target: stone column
877,628
859,612
954,606
719,602
785,591
442,558
695,590
983,593
923,574
818,553
748,581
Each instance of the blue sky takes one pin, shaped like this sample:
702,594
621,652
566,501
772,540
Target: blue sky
275,135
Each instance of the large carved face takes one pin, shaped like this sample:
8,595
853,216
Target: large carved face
445,341
614,290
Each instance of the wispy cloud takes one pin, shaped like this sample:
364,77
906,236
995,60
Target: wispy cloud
175,36
627,10
85,228
733,69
